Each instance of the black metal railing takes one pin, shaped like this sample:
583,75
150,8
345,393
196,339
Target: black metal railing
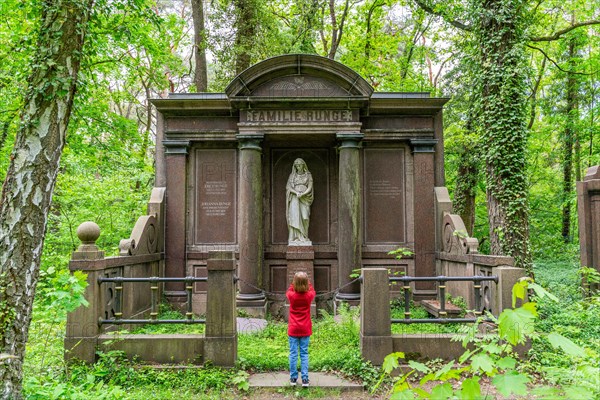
441,280
154,280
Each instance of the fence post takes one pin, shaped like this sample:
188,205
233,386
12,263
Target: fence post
220,342
375,318
507,277
82,333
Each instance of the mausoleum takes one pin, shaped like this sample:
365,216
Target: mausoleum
225,158
299,165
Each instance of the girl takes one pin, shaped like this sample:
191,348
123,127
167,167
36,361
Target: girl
300,294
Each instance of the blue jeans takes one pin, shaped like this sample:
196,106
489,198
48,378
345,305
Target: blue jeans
302,344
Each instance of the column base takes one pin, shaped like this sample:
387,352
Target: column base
256,308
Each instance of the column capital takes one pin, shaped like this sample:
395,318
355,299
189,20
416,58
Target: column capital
349,140
250,141
180,147
423,145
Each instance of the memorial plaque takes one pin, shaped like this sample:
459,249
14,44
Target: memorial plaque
384,196
317,161
215,183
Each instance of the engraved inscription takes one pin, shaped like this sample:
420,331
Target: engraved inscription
384,196
215,204
382,187
298,115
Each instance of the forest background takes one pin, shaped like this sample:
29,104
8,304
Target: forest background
141,49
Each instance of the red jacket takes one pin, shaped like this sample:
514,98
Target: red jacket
299,323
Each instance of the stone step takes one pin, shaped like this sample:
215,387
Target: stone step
433,308
317,379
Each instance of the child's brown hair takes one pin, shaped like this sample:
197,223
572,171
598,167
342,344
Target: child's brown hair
300,282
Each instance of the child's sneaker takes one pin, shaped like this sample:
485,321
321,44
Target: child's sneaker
292,382
305,382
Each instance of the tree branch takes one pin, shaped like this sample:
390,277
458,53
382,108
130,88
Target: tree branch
453,22
558,34
558,66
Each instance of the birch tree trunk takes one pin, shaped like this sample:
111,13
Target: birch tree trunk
27,191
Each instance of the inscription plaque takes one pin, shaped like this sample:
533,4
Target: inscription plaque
215,220
384,195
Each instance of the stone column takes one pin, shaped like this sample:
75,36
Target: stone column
250,223
349,214
375,316
424,213
159,153
81,338
220,343
175,243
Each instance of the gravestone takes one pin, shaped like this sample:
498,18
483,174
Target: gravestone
225,160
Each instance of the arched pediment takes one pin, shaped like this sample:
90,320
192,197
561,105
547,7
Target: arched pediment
299,75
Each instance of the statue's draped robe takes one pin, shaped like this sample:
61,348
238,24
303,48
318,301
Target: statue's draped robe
298,208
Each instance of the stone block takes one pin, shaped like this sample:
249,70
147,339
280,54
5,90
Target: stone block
375,348
80,348
507,277
221,351
163,349
375,302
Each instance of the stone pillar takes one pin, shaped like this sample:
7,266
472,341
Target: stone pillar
81,338
375,315
588,210
424,214
159,153
301,258
349,214
175,224
250,224
220,338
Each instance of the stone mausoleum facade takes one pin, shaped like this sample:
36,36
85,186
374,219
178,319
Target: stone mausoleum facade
224,158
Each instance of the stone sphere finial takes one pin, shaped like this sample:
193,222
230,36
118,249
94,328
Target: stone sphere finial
88,232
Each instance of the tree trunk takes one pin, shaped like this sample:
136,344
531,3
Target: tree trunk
31,176
466,186
499,30
246,23
568,142
200,71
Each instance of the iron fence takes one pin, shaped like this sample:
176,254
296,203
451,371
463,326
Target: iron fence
154,281
441,281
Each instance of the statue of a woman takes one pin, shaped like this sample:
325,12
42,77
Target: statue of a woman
299,191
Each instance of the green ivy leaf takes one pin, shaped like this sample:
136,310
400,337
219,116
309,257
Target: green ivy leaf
515,325
558,341
442,391
470,389
507,363
403,395
419,366
519,290
511,382
545,392
541,292
577,392
390,362
482,362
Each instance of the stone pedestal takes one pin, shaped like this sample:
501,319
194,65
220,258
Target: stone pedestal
300,258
